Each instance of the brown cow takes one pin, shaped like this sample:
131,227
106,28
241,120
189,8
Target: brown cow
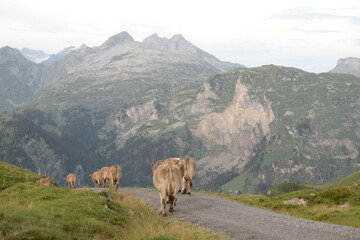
167,179
44,181
187,167
190,171
114,176
71,180
104,176
95,177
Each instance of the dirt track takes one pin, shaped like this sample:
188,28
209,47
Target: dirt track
244,222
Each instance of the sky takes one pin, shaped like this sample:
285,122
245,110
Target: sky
309,34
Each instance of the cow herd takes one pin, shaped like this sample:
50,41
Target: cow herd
107,176
170,176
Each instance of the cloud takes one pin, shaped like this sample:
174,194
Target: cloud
357,42
304,13
313,31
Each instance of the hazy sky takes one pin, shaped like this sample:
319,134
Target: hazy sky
308,34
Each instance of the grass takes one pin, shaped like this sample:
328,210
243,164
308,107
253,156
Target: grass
10,175
32,211
323,200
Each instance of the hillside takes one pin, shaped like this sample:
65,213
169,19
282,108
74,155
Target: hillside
23,143
314,136
32,211
11,175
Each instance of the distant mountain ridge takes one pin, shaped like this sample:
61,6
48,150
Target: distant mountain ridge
36,56
39,56
350,65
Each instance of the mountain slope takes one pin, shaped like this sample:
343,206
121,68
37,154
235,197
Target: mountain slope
248,128
25,144
314,136
19,79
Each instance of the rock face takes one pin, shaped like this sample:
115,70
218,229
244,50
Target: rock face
240,127
350,65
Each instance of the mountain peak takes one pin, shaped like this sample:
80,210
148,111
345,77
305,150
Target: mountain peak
119,38
10,54
178,37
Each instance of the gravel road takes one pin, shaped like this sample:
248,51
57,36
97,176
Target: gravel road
244,222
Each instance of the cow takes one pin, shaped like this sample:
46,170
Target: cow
167,179
71,180
95,177
104,176
114,176
44,181
190,171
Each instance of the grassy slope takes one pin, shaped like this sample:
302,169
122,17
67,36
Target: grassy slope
32,211
323,201
10,175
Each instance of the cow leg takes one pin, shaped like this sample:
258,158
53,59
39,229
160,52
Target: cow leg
189,186
173,204
162,205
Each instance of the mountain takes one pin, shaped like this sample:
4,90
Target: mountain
55,57
178,44
19,79
108,75
350,65
36,56
248,129
132,103
88,90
